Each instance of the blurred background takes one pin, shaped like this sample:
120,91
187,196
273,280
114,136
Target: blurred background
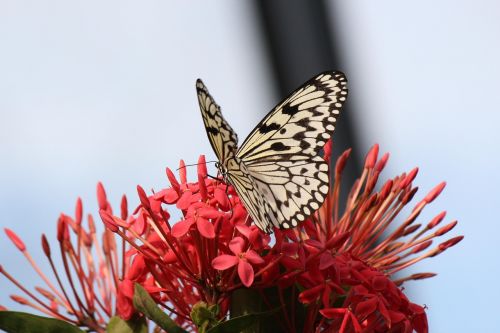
104,91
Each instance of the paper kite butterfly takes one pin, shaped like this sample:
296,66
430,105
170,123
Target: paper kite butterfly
277,171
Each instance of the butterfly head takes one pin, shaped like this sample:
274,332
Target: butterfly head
222,170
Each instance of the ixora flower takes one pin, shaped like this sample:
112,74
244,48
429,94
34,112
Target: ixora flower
89,290
211,269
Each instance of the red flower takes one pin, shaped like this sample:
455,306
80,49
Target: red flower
339,264
242,258
336,268
124,303
93,292
198,213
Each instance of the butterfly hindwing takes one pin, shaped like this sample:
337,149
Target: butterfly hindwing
223,139
253,201
294,188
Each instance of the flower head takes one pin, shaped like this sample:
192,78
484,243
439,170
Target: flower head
84,292
340,265
243,258
333,273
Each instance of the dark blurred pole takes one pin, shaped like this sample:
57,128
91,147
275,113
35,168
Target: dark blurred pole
300,44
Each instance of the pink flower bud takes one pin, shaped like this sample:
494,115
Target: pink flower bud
15,239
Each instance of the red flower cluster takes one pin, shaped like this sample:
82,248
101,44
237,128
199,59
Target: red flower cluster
191,261
92,270
338,265
335,269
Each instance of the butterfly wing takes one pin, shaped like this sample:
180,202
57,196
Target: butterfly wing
254,202
223,139
280,155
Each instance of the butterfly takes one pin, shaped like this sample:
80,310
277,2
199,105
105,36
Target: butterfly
277,172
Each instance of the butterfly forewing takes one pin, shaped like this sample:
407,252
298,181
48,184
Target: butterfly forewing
301,124
277,172
223,139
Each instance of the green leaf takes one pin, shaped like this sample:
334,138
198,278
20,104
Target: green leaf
134,325
22,322
240,323
144,303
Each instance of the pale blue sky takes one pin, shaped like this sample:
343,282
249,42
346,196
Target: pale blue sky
93,90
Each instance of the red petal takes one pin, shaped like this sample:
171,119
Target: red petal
209,212
108,220
182,172
101,196
341,161
409,178
245,271
371,157
434,192
15,239
137,268
244,230
382,162
173,180
78,211
181,228
139,225
224,262
45,245
326,260
170,257
205,228
221,196
289,249
332,313
379,283
184,201
325,297
366,308
124,305
396,316
124,208
236,245
202,167
327,150
253,257
143,197
155,205
310,295
436,220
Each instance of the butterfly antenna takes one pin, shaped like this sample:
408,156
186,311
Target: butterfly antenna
186,165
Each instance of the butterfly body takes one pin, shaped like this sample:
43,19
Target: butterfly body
277,171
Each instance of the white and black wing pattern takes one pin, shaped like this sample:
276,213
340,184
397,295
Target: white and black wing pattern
300,125
281,153
223,139
277,172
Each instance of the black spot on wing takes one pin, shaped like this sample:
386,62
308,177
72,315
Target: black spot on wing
299,136
266,128
212,130
306,124
290,110
279,146
304,145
